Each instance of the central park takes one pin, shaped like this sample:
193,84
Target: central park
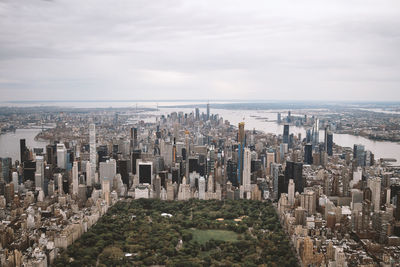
183,233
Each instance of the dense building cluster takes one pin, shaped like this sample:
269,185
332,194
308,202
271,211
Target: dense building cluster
339,206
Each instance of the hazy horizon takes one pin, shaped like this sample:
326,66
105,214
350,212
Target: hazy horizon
274,51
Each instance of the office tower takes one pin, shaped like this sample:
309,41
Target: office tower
308,136
242,144
315,133
75,182
289,117
145,172
133,139
29,170
279,117
208,111
308,158
359,155
294,170
61,156
176,174
247,171
291,192
92,150
231,172
51,154
369,158
270,160
23,150
39,174
122,168
197,111
286,134
15,180
136,155
9,192
6,165
328,141
283,149
59,180
375,185
108,170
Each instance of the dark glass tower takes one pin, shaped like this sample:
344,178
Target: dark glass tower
308,159
286,134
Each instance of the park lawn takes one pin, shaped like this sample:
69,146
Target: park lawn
202,236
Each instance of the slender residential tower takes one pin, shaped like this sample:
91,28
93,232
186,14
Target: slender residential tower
242,144
92,143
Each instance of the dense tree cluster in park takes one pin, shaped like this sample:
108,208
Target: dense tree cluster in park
134,232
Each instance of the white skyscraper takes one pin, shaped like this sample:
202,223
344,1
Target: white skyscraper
375,185
75,182
315,133
92,150
247,171
15,180
39,174
291,192
61,156
60,184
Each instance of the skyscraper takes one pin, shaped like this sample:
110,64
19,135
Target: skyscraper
315,133
294,170
275,171
92,150
23,149
247,171
242,143
208,111
359,155
270,160
375,185
291,192
286,134
329,143
107,170
61,156
308,159
75,182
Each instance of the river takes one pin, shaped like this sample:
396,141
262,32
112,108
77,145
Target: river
9,142
263,120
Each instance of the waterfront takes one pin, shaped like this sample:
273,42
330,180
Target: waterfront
9,142
265,120
262,120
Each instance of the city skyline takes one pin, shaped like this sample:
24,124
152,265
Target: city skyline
66,50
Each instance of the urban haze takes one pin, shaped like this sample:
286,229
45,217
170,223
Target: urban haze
199,133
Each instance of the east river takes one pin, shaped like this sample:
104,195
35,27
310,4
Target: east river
263,120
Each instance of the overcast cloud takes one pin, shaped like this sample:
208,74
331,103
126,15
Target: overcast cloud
293,50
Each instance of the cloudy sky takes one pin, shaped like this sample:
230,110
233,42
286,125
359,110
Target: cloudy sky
134,49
